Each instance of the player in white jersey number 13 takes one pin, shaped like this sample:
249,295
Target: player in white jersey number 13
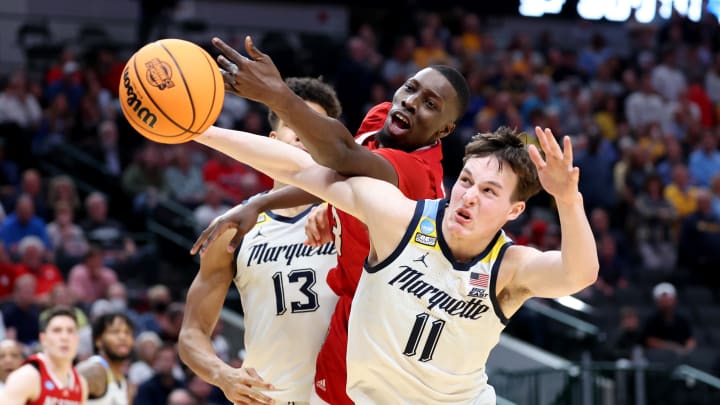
283,290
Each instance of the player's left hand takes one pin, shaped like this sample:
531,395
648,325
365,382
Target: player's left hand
557,174
256,78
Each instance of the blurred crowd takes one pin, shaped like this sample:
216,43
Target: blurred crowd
644,120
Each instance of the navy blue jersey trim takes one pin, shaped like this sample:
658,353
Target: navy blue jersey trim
419,207
290,220
493,281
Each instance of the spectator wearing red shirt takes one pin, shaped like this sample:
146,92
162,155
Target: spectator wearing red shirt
32,261
236,180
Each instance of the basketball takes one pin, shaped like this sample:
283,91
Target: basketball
171,91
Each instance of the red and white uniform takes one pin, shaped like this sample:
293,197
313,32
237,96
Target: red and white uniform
52,390
419,177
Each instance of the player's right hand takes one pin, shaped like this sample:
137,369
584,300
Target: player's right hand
238,385
317,227
242,218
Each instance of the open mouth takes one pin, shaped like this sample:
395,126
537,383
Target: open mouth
463,214
399,123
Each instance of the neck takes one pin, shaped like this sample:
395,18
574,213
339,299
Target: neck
287,212
59,367
117,368
465,249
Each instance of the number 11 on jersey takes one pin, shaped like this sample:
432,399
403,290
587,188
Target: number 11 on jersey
417,332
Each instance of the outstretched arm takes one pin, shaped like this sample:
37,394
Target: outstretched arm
327,139
205,299
555,274
378,204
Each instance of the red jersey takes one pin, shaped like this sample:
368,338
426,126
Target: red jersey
52,392
420,176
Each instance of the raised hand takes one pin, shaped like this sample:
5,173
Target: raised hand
242,218
317,227
557,174
238,385
255,78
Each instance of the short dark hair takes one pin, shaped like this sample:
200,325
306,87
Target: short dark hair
507,146
312,90
457,80
55,312
100,325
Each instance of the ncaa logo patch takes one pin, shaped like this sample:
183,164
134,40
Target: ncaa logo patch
49,385
427,226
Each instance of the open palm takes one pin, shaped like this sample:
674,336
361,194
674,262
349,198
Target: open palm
557,174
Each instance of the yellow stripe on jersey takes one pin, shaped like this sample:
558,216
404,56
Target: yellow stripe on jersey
495,249
262,218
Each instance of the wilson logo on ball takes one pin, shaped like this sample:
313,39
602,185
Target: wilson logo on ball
159,74
134,102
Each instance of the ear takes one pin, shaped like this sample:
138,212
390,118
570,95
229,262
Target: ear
272,135
447,130
516,209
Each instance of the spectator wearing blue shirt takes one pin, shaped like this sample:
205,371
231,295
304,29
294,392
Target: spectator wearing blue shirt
704,161
21,223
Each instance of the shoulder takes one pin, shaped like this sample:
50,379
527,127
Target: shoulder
25,376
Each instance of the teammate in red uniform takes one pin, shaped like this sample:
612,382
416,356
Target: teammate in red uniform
48,377
405,152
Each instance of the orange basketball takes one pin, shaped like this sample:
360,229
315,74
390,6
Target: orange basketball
171,91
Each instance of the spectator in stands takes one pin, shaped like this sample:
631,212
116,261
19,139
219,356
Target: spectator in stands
159,299
117,295
9,173
644,106
614,272
146,346
57,124
400,66
181,396
715,198
62,188
666,329
597,184
653,224
11,358
107,232
143,179
667,79
69,85
628,335
673,156
183,181
91,279
7,274
22,313
680,193
704,161
18,105
32,185
67,240
107,150
700,242
157,389
33,260
712,81
213,207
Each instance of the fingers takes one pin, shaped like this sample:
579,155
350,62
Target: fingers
228,51
549,144
201,242
227,65
536,158
567,150
252,50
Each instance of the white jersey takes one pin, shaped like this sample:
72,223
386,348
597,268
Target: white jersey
116,392
287,303
422,324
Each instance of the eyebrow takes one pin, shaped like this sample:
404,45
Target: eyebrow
491,182
431,92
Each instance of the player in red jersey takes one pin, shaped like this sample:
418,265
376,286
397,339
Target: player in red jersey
405,152
48,377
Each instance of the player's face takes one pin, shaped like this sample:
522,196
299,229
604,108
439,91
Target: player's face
10,357
116,342
480,202
424,110
60,339
285,134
